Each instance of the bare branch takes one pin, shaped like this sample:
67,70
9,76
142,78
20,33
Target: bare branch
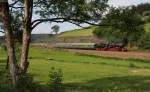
16,7
60,20
77,24
46,20
37,23
2,32
12,4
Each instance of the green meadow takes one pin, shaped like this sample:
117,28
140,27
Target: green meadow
83,73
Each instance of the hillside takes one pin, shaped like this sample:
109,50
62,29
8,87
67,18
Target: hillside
88,31
78,32
84,35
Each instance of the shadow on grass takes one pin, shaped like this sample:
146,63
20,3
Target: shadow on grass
113,84
108,84
2,64
5,81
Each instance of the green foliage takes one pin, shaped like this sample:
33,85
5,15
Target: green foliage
18,51
145,41
110,34
55,29
76,9
17,25
125,25
55,80
142,8
5,81
147,27
72,10
146,19
26,84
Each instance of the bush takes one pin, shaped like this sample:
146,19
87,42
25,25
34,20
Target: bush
26,84
145,41
5,82
55,80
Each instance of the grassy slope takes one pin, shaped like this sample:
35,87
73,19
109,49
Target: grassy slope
78,32
89,73
81,35
88,32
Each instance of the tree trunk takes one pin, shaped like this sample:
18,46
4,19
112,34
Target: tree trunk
25,51
26,34
4,13
12,58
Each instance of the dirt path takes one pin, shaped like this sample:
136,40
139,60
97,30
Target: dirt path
122,55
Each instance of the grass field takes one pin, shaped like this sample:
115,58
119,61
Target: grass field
88,73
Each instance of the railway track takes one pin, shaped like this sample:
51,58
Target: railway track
111,54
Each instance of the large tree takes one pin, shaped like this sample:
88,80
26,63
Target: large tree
5,15
73,11
126,25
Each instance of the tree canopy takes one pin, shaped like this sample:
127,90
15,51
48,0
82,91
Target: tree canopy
142,8
55,29
126,25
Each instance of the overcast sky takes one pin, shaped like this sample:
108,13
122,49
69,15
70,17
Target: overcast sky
46,28
127,2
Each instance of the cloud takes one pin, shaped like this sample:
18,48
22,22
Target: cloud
126,2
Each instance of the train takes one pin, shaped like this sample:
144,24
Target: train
92,46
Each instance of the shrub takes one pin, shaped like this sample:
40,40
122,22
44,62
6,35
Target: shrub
26,84
145,41
55,80
5,82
